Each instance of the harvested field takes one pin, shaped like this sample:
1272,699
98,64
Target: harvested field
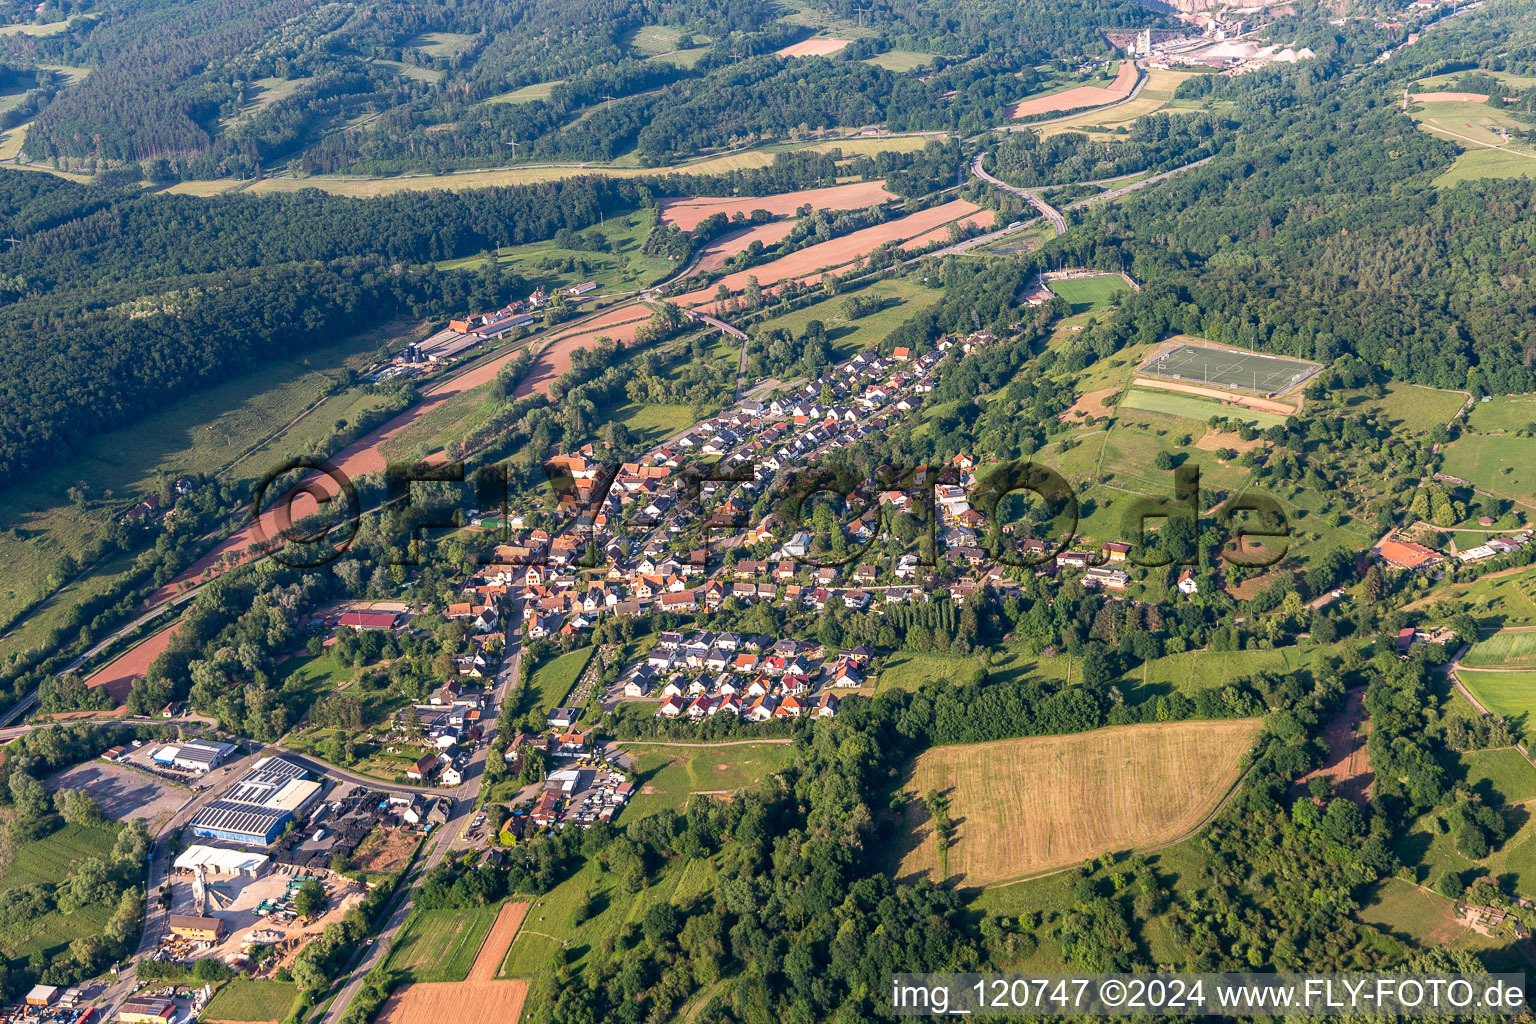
1024,806
1349,764
984,220
1082,96
480,998
618,325
118,674
839,252
713,256
812,48
687,213
1449,97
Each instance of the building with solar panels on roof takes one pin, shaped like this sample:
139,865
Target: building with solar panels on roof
256,809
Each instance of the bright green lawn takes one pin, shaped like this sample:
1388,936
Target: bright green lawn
900,60
1502,414
1511,694
551,920
50,860
1086,294
528,93
442,44
1405,407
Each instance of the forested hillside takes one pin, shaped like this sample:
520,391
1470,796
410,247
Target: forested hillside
187,89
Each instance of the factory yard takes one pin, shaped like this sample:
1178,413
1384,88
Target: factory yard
124,793
254,911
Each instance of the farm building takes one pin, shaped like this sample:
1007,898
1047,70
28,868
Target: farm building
255,809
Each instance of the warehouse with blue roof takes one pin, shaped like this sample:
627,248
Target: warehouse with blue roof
256,809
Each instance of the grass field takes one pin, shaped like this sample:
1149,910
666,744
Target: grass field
1503,414
1194,408
440,945
50,860
1406,407
671,775
52,28
1469,123
870,147
1086,294
1487,163
900,60
552,680
623,268
1187,672
1511,694
442,44
1502,778
246,1000
1502,464
1031,805
1225,368
527,94
1505,598
354,186
1406,911
1503,650
1447,81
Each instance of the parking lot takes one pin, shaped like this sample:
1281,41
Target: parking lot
124,792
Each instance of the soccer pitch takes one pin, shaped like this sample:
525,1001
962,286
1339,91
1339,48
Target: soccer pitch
1225,368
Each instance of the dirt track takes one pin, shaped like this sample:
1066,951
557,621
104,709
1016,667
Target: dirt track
687,213
1082,96
479,998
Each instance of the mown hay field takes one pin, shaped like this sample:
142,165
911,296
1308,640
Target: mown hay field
1024,806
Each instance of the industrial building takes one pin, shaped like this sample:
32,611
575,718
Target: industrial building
147,1011
256,809
198,756
215,861
198,929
